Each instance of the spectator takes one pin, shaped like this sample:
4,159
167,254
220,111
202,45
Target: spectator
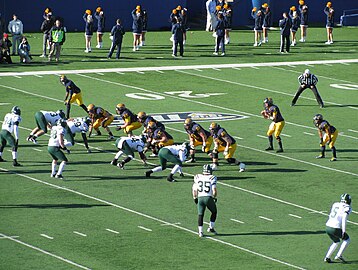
45,29
145,25
258,16
5,45
178,36
87,17
285,26
117,34
16,29
47,11
330,22
24,51
99,15
220,35
210,10
295,21
137,27
57,38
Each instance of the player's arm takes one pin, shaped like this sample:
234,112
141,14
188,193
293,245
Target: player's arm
66,97
215,191
91,126
143,157
61,141
16,133
195,193
344,222
328,132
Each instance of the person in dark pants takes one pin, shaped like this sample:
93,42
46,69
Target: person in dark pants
285,29
117,34
308,80
178,36
46,29
5,45
220,35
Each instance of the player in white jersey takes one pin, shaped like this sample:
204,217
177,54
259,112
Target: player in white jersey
55,144
336,227
10,126
77,125
204,194
176,154
128,146
44,120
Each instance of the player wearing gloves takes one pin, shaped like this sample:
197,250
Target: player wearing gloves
204,194
77,125
10,125
330,136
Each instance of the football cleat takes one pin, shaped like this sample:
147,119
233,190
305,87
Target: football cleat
320,156
201,235
120,165
59,176
110,137
327,260
148,173
52,175
340,258
114,162
269,148
279,150
242,167
170,178
212,230
16,164
333,159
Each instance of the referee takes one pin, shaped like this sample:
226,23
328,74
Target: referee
307,80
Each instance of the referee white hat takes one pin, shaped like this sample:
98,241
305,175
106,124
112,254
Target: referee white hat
307,71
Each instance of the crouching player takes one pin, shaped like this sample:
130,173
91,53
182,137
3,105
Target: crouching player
129,145
77,125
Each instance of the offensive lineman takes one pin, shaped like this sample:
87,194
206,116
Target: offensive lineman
11,125
204,194
336,227
77,125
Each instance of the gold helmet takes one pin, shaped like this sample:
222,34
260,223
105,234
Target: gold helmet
301,2
188,122
152,125
120,107
213,126
90,107
63,79
141,115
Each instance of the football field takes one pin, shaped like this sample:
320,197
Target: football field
272,216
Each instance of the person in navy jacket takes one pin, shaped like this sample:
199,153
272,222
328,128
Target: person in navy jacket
178,31
220,34
285,29
87,17
137,27
101,20
117,34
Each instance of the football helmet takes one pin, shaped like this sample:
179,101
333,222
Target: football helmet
152,125
317,119
90,108
214,126
188,122
346,198
207,169
87,120
61,122
141,115
63,79
120,108
16,110
61,113
268,101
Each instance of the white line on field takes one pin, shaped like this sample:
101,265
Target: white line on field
81,234
329,65
307,133
144,228
177,223
261,136
352,130
207,223
38,76
45,252
46,236
286,135
140,72
216,69
36,149
265,218
236,68
310,65
291,66
17,77
3,237
112,231
319,212
295,216
254,67
100,73
346,64
238,221
198,69
159,71
121,73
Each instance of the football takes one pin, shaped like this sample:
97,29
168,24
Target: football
264,114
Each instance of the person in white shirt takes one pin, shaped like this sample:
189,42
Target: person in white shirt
336,227
16,29
210,14
204,194
10,126
55,144
77,125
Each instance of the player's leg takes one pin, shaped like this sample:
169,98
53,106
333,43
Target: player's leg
2,145
317,96
269,133
297,95
333,233
201,212
278,129
344,245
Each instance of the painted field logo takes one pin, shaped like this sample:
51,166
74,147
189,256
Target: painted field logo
180,117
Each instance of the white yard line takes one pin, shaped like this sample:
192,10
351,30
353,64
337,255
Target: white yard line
144,228
295,216
112,231
265,218
261,136
78,233
238,221
159,71
3,237
45,252
352,130
286,135
36,149
308,133
46,236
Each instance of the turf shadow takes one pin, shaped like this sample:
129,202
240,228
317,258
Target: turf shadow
283,170
51,206
275,233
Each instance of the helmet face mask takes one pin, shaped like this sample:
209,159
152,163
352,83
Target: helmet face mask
16,110
188,122
268,102
120,108
346,198
207,169
317,119
61,122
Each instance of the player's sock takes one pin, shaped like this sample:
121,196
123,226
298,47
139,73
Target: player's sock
14,155
84,107
175,169
331,249
343,247
110,133
53,167
270,138
157,169
200,229
212,224
334,152
117,156
61,167
126,160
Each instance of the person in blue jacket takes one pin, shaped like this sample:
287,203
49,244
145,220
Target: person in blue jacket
117,34
267,21
87,17
178,31
259,19
137,27
295,21
99,15
285,27
303,8
220,34
329,11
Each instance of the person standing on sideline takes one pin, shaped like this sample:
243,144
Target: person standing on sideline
259,19
16,29
220,35
73,93
145,27
45,29
210,13
295,21
10,125
57,38
204,194
307,80
87,17
336,228
285,26
267,21
137,27
330,136
178,31
101,20
5,45
330,22
272,112
304,19
116,35
55,144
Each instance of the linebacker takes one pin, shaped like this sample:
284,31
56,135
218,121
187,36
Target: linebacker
100,117
330,136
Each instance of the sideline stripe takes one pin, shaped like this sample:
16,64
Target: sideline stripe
45,252
190,67
81,234
148,217
15,236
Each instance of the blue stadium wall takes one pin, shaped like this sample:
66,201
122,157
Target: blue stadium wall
30,11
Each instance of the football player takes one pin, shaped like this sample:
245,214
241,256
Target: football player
129,145
55,144
204,194
161,138
225,143
130,120
176,154
330,136
44,120
77,125
10,126
145,119
336,227
73,93
273,113
149,133
197,136
99,117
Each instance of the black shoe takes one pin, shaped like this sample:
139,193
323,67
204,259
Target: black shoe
279,150
114,162
269,148
212,230
16,164
181,175
327,260
120,165
292,104
148,173
170,178
59,176
320,156
341,259
321,106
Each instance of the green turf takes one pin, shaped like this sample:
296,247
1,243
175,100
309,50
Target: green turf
97,196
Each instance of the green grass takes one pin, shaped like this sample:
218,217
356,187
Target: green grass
96,196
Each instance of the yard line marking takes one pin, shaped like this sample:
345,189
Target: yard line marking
82,234
38,76
159,57
291,66
318,212
254,67
328,65
177,223
352,130
15,236
112,231
265,218
45,252
307,133
238,221
140,72
121,73
295,216
159,71
261,136
144,228
310,65
236,68
100,73
207,223
16,76
216,69
198,69
38,150
46,236
285,135
346,64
